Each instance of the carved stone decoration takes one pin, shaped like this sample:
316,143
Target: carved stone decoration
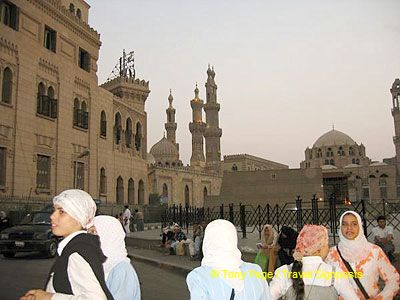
48,67
10,153
8,47
5,131
46,141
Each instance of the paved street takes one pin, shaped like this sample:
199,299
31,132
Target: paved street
30,271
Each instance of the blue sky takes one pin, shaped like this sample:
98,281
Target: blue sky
286,70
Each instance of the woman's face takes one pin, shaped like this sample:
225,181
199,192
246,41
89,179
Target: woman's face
350,227
267,231
62,224
324,251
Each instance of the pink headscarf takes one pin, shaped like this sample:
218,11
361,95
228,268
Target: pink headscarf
311,239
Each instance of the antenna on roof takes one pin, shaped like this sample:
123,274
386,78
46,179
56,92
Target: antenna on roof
125,66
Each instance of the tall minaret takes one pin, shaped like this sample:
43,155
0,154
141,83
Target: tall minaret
171,125
212,133
197,130
395,91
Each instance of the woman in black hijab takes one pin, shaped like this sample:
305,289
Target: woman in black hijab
287,241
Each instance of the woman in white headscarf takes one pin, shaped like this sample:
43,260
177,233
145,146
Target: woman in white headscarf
268,249
355,254
121,277
78,270
223,274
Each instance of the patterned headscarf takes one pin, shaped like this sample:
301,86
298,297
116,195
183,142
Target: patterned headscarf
79,205
273,236
311,239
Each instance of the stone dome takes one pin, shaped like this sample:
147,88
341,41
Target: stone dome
164,150
150,159
333,138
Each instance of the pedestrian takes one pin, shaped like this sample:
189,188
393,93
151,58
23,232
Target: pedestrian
223,274
268,249
126,217
4,222
383,237
287,243
121,277
139,219
78,270
355,254
310,277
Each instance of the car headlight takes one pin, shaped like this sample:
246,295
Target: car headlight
41,236
4,236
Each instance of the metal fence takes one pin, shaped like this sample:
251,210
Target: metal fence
250,218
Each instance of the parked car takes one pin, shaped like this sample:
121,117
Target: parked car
31,235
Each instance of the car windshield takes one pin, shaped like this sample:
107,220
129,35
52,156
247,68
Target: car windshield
37,218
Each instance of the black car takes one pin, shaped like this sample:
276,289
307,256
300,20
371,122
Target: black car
31,235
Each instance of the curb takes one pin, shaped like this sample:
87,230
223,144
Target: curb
180,270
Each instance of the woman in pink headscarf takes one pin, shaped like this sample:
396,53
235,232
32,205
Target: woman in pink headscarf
310,277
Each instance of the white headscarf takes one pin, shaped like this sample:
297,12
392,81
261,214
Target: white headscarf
353,250
112,241
221,252
79,205
273,236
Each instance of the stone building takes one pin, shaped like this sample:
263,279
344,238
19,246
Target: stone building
247,162
58,128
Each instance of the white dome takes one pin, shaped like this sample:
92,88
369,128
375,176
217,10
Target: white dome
164,150
334,138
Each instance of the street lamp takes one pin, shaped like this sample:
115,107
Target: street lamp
85,152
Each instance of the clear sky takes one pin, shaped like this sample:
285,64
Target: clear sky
285,70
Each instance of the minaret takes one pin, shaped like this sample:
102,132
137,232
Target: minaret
197,130
395,91
212,133
171,125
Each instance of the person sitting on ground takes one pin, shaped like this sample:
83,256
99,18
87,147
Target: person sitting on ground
383,237
306,280
355,254
268,249
168,235
287,242
179,236
120,276
223,274
77,272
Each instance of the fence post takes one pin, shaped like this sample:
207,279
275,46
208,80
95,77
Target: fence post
268,214
180,215
364,220
384,207
332,213
231,213
187,211
208,214
259,221
243,219
299,213
174,213
221,211
277,216
314,207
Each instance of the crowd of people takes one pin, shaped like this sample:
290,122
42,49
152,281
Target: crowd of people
93,263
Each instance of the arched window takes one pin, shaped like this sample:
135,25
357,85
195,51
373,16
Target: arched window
131,191
234,167
6,92
72,8
326,161
205,194
138,136
141,192
117,128
187,200
120,190
77,112
103,181
128,133
319,153
167,164
79,13
332,162
353,161
103,124
85,115
357,161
